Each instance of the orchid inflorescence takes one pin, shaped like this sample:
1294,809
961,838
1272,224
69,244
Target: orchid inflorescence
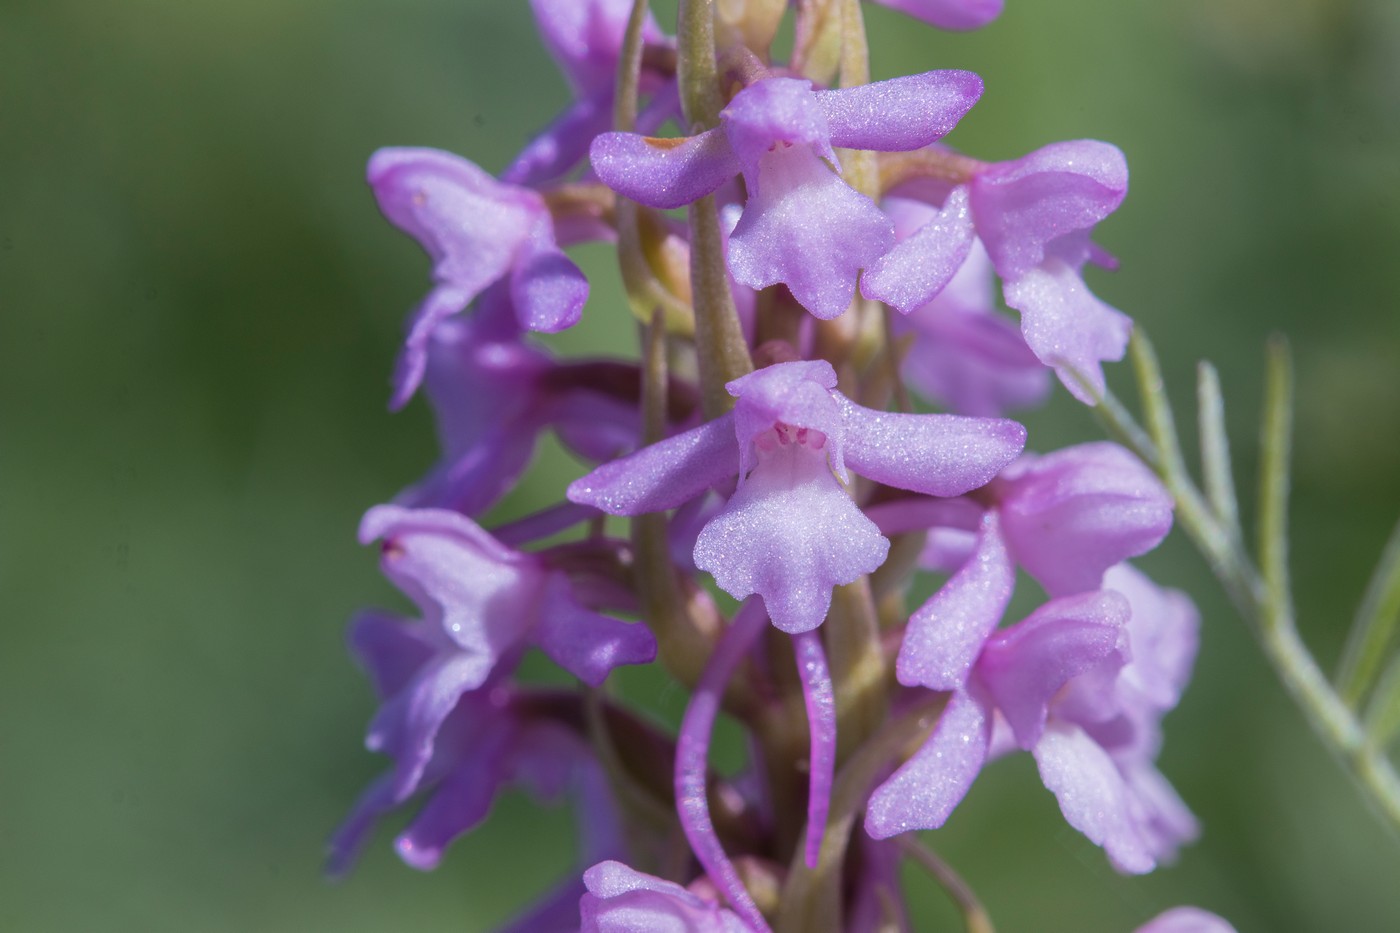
783,491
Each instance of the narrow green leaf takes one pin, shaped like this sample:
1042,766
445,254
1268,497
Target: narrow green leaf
1276,442
1374,627
1215,448
1383,715
1158,410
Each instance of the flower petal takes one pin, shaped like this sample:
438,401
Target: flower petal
949,14
807,229
939,455
1070,515
946,635
1067,327
1024,666
662,475
665,173
926,789
390,649
917,269
587,644
790,534
482,594
1186,920
1025,209
547,289
900,114
1092,795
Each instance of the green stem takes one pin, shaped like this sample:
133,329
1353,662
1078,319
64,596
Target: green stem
975,918
696,71
722,354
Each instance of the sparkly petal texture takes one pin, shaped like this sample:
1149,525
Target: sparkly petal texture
1025,666
944,638
802,226
918,269
790,534
477,231
1045,204
949,14
1092,795
1035,215
665,173
491,601
938,455
1070,515
923,793
623,900
1067,327
901,114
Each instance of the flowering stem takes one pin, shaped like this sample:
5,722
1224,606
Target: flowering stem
975,918
812,896
692,761
685,632
1261,598
858,664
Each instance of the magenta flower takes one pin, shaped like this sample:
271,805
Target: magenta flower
790,532
1066,684
949,14
802,226
486,603
477,231
489,740
623,900
493,395
1035,216
1065,517
964,354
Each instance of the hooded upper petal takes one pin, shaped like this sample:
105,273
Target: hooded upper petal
1070,515
482,594
1044,204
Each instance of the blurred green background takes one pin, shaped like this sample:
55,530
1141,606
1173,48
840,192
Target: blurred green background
200,309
